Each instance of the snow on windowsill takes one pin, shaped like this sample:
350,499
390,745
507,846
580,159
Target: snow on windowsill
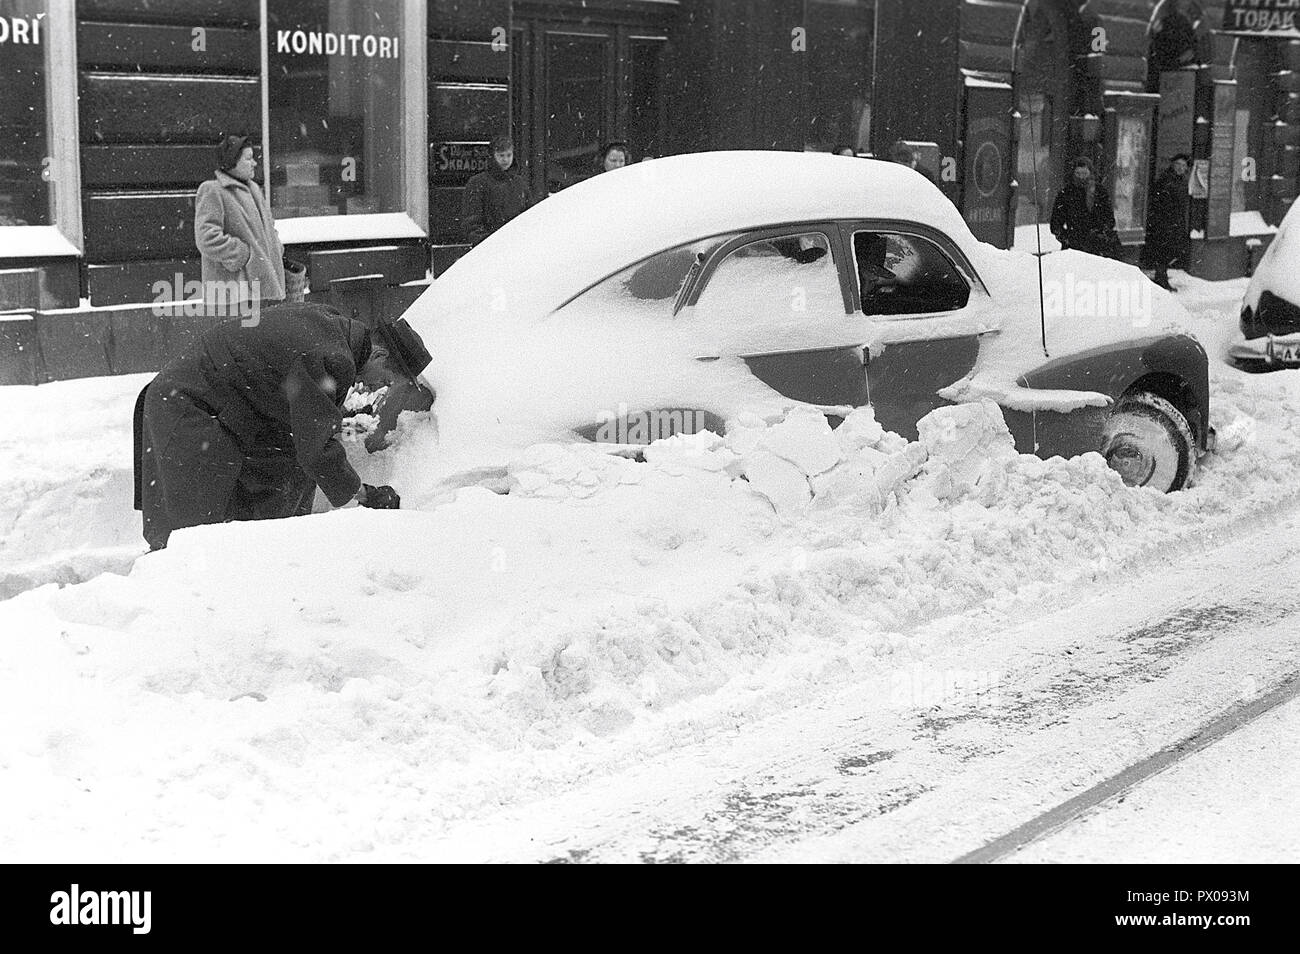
980,82
1243,223
35,241
347,228
1250,223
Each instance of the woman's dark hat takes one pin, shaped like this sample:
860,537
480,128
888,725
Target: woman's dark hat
229,151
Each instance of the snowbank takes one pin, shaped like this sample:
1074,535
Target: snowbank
66,483
406,670
347,685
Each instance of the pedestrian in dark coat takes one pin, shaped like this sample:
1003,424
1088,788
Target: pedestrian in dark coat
1082,215
244,424
1168,242
496,195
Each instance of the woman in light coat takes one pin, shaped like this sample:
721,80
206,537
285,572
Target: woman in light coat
243,260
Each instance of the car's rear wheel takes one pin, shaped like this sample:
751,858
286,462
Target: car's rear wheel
1149,443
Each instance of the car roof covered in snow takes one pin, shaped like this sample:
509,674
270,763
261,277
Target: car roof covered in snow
575,238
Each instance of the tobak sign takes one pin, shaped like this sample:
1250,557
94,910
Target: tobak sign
1262,17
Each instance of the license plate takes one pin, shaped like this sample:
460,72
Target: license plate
1288,353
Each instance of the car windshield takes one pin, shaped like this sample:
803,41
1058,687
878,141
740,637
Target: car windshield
650,286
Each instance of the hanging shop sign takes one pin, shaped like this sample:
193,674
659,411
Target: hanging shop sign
1262,17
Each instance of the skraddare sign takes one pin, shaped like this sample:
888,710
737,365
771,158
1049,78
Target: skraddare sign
1262,17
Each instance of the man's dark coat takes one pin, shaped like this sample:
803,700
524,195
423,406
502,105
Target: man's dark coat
244,424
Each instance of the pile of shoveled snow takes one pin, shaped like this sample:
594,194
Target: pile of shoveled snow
346,684
66,484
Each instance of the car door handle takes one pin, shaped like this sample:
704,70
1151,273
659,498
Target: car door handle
708,357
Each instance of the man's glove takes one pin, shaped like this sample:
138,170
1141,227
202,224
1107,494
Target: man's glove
379,498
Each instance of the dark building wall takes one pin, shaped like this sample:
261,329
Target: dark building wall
916,40
748,74
469,81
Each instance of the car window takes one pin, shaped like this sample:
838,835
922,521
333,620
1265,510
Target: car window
648,287
900,274
781,281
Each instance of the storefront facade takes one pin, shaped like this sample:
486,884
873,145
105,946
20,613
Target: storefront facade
121,104
371,115
1130,85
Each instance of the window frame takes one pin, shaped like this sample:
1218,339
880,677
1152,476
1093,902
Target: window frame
678,300
831,230
956,258
63,238
839,232
413,220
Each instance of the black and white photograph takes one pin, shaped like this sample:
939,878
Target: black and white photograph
651,431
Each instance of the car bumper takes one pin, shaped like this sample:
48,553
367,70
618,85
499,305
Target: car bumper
1282,351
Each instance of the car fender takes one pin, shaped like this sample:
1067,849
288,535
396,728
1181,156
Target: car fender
1173,366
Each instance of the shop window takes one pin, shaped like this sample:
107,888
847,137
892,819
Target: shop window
25,135
905,275
337,133
577,91
1132,162
1035,163
40,173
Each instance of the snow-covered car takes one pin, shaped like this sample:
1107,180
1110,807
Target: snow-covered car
1270,311
677,294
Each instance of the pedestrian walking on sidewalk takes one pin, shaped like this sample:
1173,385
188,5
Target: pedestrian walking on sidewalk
1168,241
